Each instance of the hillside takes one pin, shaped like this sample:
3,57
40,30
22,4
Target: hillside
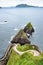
26,58
23,5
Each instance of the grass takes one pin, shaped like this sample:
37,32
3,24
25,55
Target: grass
14,57
25,59
26,47
29,25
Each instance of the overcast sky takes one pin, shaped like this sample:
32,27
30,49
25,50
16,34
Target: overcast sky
6,3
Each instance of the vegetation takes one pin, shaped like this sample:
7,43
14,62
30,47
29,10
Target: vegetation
26,47
29,25
14,57
25,59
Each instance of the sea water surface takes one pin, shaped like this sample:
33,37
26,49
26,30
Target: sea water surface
16,19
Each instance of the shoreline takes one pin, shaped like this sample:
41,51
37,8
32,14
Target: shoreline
21,38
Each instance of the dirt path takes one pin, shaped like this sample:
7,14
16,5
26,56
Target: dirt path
35,52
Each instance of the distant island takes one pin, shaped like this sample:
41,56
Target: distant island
0,7
21,6
24,6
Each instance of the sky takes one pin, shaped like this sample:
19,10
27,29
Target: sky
8,3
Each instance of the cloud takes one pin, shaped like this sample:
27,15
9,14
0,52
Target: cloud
6,3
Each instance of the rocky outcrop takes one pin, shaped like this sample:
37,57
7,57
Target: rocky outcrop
23,35
29,28
21,38
5,21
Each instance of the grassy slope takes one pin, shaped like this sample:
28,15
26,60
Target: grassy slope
25,59
14,57
26,47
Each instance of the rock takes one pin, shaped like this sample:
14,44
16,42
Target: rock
21,38
29,28
5,21
24,41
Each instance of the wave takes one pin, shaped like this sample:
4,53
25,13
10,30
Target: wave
23,26
3,22
11,38
15,29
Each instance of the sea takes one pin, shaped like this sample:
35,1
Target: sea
14,19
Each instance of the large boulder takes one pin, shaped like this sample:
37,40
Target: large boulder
21,38
29,28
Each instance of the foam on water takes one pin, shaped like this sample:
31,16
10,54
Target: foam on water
23,26
3,22
15,29
12,37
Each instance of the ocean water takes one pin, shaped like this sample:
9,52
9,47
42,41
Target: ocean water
16,19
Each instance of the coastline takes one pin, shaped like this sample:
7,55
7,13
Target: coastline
5,58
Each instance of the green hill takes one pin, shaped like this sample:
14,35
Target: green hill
24,59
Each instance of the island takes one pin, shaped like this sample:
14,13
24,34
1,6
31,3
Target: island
5,21
21,51
24,6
